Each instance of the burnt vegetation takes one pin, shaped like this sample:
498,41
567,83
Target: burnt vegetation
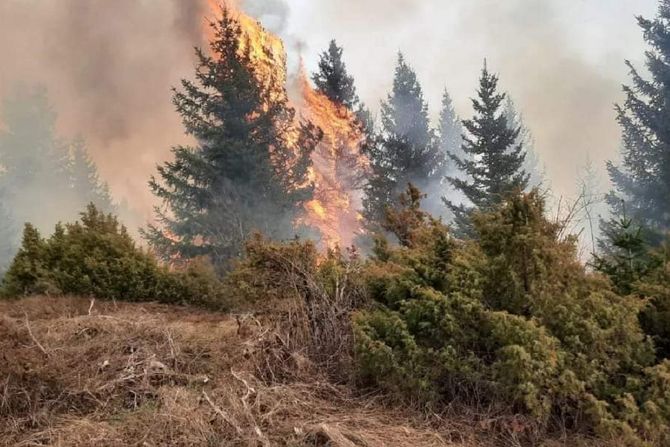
464,316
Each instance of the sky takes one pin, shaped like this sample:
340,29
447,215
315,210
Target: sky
109,66
562,61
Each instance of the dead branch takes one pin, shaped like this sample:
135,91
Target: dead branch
222,413
32,336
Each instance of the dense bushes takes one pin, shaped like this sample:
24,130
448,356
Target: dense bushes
97,257
510,319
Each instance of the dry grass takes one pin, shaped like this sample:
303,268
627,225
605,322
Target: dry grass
76,373
149,375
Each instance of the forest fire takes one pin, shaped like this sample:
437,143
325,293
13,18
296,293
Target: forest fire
338,165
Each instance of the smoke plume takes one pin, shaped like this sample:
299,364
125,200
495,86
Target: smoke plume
109,66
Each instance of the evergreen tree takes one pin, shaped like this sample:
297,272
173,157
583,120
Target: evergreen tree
532,164
333,80
625,255
450,134
34,163
248,170
494,156
643,178
43,178
86,184
405,151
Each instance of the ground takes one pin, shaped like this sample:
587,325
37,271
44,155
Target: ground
80,372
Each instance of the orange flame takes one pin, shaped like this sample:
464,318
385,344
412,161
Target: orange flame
338,166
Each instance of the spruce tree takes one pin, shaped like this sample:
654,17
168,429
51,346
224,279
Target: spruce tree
333,80
405,151
626,257
248,170
494,156
450,134
85,180
34,162
532,164
642,179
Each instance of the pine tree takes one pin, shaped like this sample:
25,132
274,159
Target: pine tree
85,181
33,160
626,256
247,172
532,161
643,178
405,151
39,167
495,157
333,80
450,134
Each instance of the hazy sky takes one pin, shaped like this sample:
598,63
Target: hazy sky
109,65
561,60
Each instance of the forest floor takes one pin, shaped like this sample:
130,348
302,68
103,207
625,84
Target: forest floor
78,372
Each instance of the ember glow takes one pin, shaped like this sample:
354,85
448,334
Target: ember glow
338,165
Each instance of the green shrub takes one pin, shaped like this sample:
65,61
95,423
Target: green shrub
654,288
512,319
97,257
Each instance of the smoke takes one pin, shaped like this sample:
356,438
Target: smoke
561,62
109,66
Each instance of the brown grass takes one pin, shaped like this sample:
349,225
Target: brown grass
75,372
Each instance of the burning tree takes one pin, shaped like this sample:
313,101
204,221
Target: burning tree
333,80
249,168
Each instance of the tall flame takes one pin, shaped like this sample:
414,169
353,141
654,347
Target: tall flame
337,164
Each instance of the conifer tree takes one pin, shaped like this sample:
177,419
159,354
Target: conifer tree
495,157
246,172
450,134
85,180
405,151
627,257
333,80
643,178
532,164
43,178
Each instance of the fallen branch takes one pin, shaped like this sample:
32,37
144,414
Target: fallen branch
30,332
222,413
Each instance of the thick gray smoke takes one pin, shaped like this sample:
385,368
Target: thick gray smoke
108,67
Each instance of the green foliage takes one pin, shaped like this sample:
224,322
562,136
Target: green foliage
511,319
96,257
643,178
494,156
625,256
333,80
248,171
654,287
